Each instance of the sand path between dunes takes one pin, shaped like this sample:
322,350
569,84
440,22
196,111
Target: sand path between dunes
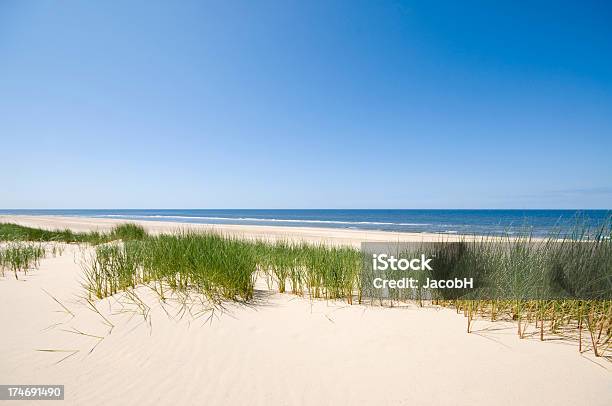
281,350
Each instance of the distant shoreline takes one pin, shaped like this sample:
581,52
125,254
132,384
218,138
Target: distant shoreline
332,236
466,222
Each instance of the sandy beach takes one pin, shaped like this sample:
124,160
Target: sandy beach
306,203
332,236
281,349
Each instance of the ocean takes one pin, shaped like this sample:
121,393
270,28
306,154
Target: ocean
481,222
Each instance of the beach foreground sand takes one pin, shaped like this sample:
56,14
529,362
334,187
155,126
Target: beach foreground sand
278,350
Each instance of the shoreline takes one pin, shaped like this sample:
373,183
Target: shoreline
331,236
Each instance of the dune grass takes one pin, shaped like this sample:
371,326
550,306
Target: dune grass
20,258
15,232
219,268
223,268
126,232
20,254
317,270
561,285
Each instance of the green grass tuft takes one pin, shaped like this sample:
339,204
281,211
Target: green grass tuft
128,232
15,232
20,258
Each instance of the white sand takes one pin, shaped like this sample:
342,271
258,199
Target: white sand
334,236
282,350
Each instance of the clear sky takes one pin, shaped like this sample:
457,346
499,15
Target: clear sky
305,104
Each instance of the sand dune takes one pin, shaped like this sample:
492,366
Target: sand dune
280,350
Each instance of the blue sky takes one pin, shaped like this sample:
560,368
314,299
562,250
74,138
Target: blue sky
330,104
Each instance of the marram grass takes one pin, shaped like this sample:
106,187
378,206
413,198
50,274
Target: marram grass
17,258
15,232
25,250
223,268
